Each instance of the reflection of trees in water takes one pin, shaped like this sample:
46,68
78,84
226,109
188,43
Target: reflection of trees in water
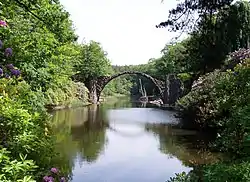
79,132
91,136
66,149
188,146
121,102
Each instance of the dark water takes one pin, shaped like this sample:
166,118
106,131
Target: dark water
125,142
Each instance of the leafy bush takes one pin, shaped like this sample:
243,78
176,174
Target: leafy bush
15,170
24,130
69,93
227,171
218,94
222,100
198,104
219,172
184,177
234,137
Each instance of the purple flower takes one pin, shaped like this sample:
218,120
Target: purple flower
54,170
1,44
10,66
48,179
1,71
51,179
15,72
8,52
62,179
3,23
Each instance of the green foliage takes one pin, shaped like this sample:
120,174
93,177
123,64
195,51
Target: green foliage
121,85
231,172
234,137
65,95
93,62
218,94
209,43
222,171
220,99
15,170
173,59
184,76
46,53
130,84
183,177
183,16
23,129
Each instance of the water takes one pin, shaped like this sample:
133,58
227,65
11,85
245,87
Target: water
125,142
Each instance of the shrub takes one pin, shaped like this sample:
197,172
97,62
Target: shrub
15,170
223,171
218,94
184,177
73,91
23,130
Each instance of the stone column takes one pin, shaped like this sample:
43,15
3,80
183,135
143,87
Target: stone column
173,89
93,92
166,91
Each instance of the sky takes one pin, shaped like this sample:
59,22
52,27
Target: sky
125,28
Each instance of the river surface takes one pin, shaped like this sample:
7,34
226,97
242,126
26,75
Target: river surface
125,142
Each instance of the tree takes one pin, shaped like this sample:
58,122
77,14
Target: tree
228,31
49,14
93,62
39,51
209,44
173,59
183,16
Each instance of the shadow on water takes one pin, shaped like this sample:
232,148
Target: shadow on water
123,141
190,147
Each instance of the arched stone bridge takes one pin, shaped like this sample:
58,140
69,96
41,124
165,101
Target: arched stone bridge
96,86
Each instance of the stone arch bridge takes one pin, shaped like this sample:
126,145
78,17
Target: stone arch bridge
169,89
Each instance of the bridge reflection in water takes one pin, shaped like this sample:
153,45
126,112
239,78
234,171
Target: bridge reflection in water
103,143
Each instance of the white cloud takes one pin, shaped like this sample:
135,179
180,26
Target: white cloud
125,28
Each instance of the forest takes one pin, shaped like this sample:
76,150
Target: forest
40,57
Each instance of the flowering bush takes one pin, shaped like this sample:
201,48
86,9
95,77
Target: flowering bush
26,148
54,176
217,94
3,23
8,70
222,100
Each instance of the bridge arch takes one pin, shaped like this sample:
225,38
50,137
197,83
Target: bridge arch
103,81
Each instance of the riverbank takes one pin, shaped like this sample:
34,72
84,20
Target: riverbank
112,98
78,103
220,101
73,104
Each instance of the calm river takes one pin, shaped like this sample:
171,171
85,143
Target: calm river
125,142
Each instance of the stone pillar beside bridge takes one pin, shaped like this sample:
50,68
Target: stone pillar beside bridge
172,90
93,98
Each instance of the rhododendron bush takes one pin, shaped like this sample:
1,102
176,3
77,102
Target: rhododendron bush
25,144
